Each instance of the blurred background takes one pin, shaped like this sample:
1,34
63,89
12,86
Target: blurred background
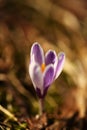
56,24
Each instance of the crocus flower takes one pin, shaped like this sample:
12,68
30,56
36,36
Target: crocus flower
44,69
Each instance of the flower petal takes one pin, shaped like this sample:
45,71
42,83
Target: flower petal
60,64
36,76
48,76
50,57
38,91
37,53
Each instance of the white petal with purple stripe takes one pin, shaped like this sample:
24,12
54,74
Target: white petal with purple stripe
37,53
48,75
50,57
59,64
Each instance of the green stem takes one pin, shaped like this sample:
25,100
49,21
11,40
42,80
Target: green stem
41,106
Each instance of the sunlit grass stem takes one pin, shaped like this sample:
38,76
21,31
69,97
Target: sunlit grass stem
9,114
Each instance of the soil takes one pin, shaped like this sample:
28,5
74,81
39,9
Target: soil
54,122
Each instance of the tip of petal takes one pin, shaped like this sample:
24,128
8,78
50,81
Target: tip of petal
50,57
61,57
60,64
37,53
36,44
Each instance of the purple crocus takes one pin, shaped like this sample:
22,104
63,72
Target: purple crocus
44,69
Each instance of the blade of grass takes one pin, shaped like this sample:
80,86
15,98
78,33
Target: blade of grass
9,114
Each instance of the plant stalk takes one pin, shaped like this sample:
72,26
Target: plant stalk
41,106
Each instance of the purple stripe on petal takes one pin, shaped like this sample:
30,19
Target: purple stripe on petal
45,91
48,76
37,53
38,91
40,95
60,64
50,57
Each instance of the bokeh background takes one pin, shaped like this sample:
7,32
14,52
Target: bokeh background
56,24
